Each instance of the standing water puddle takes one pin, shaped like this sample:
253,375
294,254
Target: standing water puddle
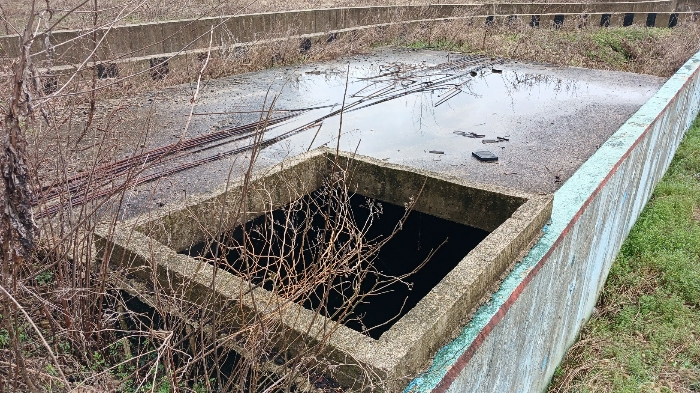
422,109
399,110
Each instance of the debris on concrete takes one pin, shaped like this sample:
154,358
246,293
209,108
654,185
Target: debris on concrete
436,152
485,155
469,134
389,107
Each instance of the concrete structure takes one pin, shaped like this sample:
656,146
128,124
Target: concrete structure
515,342
160,44
146,247
562,129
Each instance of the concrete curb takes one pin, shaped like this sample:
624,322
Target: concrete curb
515,342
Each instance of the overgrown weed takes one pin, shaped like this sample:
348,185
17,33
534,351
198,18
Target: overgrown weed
99,343
653,51
68,324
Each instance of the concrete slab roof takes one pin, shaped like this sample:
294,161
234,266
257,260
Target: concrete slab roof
418,108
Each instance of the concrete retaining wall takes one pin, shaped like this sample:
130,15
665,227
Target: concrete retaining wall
153,39
515,342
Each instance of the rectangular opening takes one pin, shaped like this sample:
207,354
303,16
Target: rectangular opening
558,21
276,249
297,217
673,20
651,19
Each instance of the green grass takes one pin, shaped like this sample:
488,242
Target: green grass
645,335
618,45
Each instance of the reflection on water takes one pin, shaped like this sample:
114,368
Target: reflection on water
550,119
390,108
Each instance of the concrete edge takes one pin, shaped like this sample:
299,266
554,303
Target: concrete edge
438,316
380,7
445,177
195,199
570,201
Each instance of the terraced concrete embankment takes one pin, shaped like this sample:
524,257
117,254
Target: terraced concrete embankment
159,45
515,342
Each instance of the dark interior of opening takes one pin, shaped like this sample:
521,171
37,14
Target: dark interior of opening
420,234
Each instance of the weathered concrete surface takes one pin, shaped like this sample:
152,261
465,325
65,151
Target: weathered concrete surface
145,247
686,5
172,37
555,119
515,342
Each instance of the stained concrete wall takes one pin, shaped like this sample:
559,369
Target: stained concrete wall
170,37
515,342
